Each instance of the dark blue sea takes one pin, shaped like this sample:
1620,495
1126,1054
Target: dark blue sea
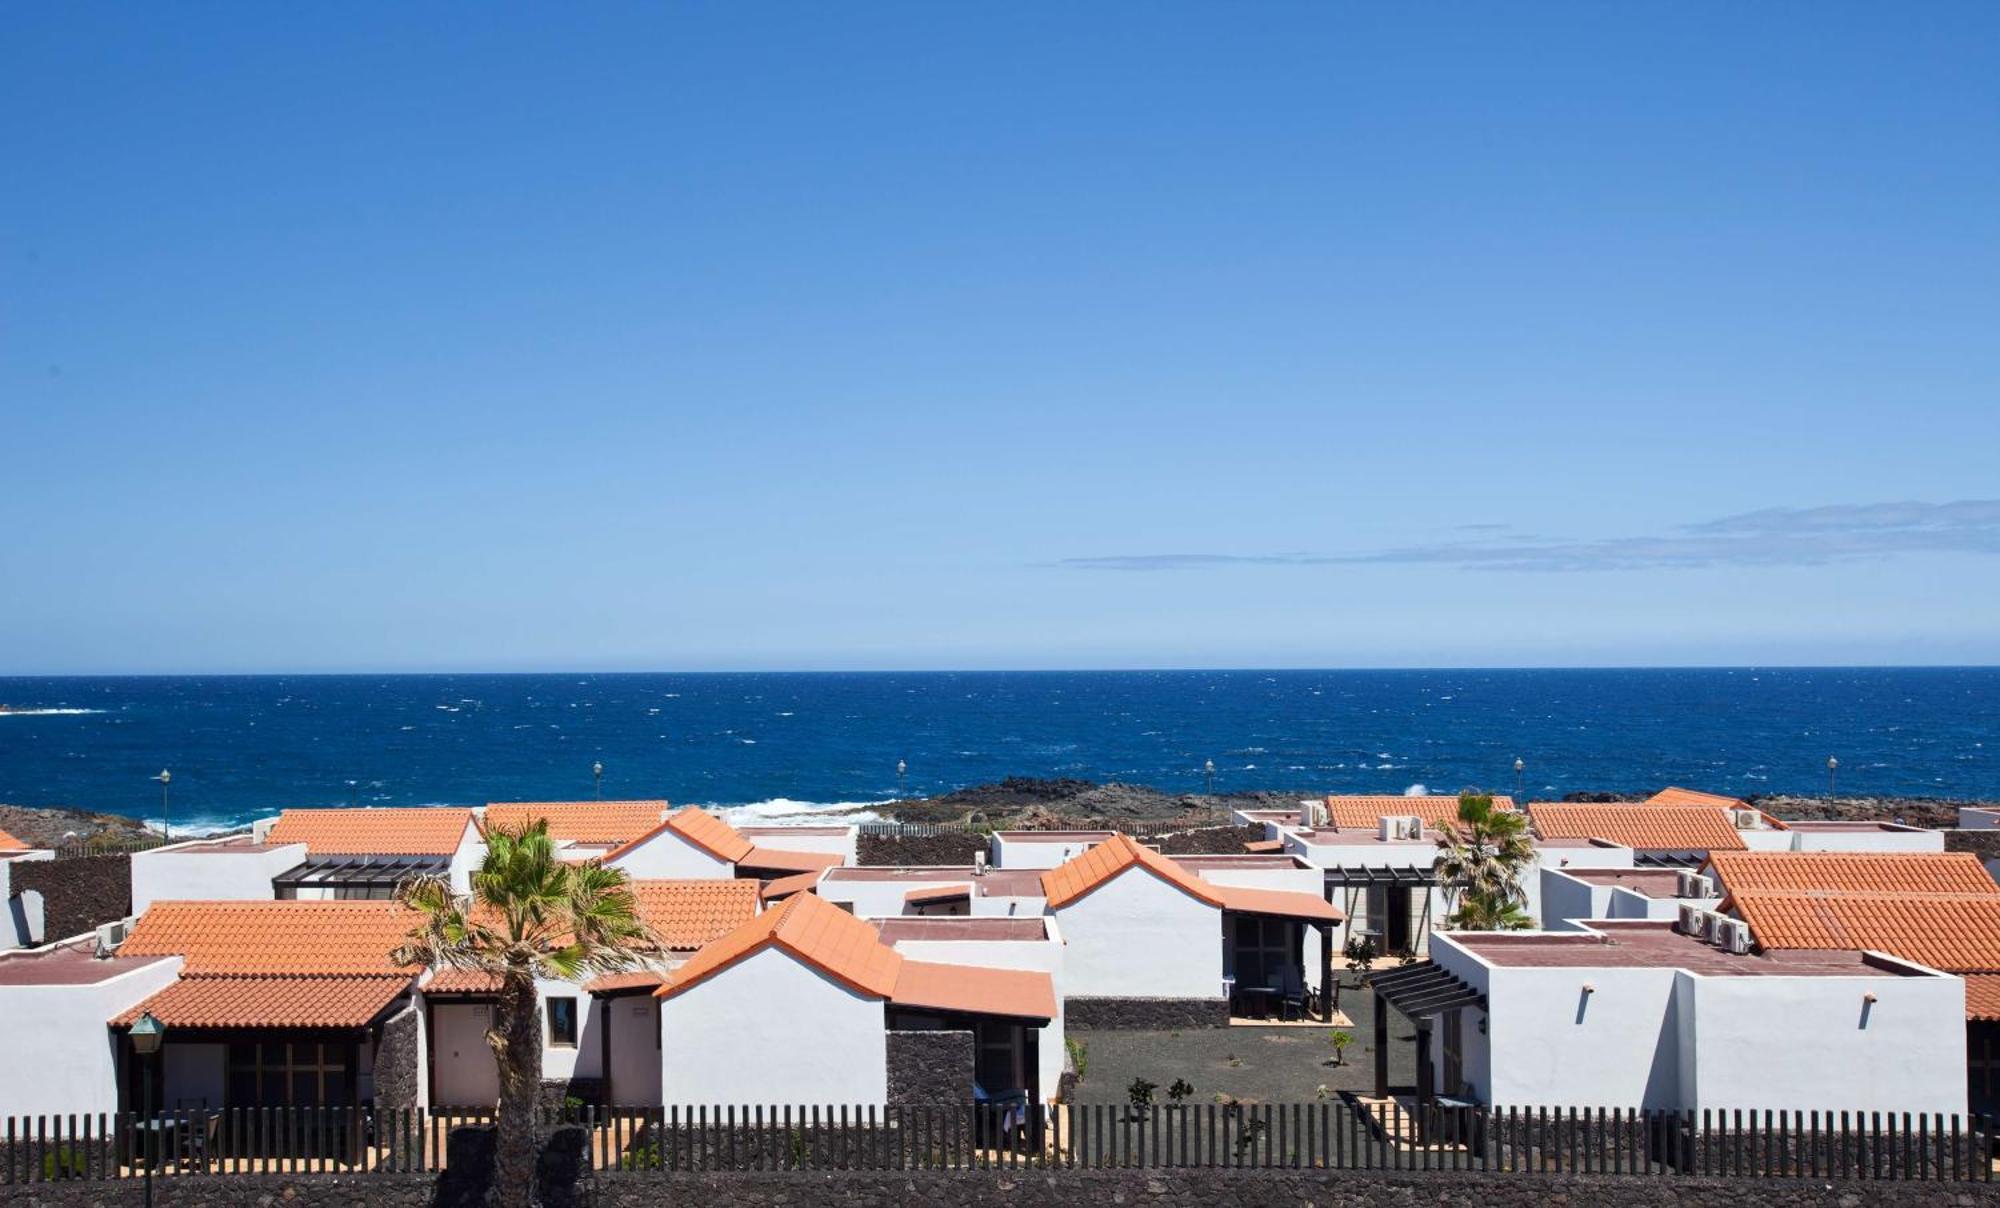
244,746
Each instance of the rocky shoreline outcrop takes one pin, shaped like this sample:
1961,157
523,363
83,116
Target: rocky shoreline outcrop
40,826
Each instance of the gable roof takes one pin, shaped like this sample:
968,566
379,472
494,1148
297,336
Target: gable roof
785,860
1955,932
581,821
809,928
303,938
1358,811
1854,872
403,831
1079,875
1645,827
699,828
1672,795
687,914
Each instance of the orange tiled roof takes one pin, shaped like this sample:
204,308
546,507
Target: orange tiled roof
1282,903
1854,872
305,938
413,831
1982,996
687,914
463,981
581,821
1261,846
1679,796
269,1002
1646,827
699,827
1358,811
1079,875
1955,932
617,983
10,843
778,859
1017,993
939,893
810,928
785,887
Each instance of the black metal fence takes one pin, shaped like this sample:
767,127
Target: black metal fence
1341,1134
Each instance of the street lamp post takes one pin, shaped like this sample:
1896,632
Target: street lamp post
166,827
902,770
353,794
1832,766
1208,775
597,774
1519,767
146,1035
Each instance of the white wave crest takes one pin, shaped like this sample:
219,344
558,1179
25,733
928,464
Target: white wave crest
47,712
1416,790
781,811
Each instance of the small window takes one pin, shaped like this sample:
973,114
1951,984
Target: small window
562,1022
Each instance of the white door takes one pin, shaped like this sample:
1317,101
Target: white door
466,1073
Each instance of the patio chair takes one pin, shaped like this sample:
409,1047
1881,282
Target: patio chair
1291,995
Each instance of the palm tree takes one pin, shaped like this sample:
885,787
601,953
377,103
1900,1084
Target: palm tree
530,915
1479,862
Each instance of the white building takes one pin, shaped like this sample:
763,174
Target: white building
809,1006
59,1055
21,910
1033,944
237,868
365,853
1041,849
884,891
694,844
1639,1015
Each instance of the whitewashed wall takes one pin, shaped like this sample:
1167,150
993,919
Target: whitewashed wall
1137,936
791,838
198,872
21,922
773,1030
1553,1044
1805,1043
882,899
634,1021
1007,852
465,861
1869,840
56,1052
667,855
465,1063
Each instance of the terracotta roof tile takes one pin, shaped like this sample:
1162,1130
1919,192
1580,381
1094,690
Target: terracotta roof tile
581,821
1282,903
1079,875
938,893
809,928
1016,993
687,914
269,1002
304,938
1680,796
1982,996
415,831
778,859
1367,811
699,827
463,981
1959,933
1259,846
1646,827
618,983
1855,872
785,887
10,843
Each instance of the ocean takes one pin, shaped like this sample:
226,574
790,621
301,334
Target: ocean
243,746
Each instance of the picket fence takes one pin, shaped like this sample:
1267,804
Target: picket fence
1341,1134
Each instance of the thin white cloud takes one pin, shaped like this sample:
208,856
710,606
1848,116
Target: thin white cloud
1808,536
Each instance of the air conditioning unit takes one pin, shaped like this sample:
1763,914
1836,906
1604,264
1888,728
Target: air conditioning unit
1734,935
1400,826
1694,920
1747,819
110,936
1694,885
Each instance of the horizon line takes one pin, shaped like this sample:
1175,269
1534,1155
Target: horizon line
887,671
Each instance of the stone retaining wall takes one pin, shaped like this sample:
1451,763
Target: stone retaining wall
78,894
929,1067
398,1073
1143,1014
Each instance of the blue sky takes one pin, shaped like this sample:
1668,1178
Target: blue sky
746,336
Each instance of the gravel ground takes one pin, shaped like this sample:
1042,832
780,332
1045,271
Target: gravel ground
1260,1065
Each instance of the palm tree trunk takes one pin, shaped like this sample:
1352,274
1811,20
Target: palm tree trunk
516,1040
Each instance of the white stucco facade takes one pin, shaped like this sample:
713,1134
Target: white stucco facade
1137,936
771,1029
1040,849
668,856
57,1054
209,871
21,911
465,1073
842,841
1665,1038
